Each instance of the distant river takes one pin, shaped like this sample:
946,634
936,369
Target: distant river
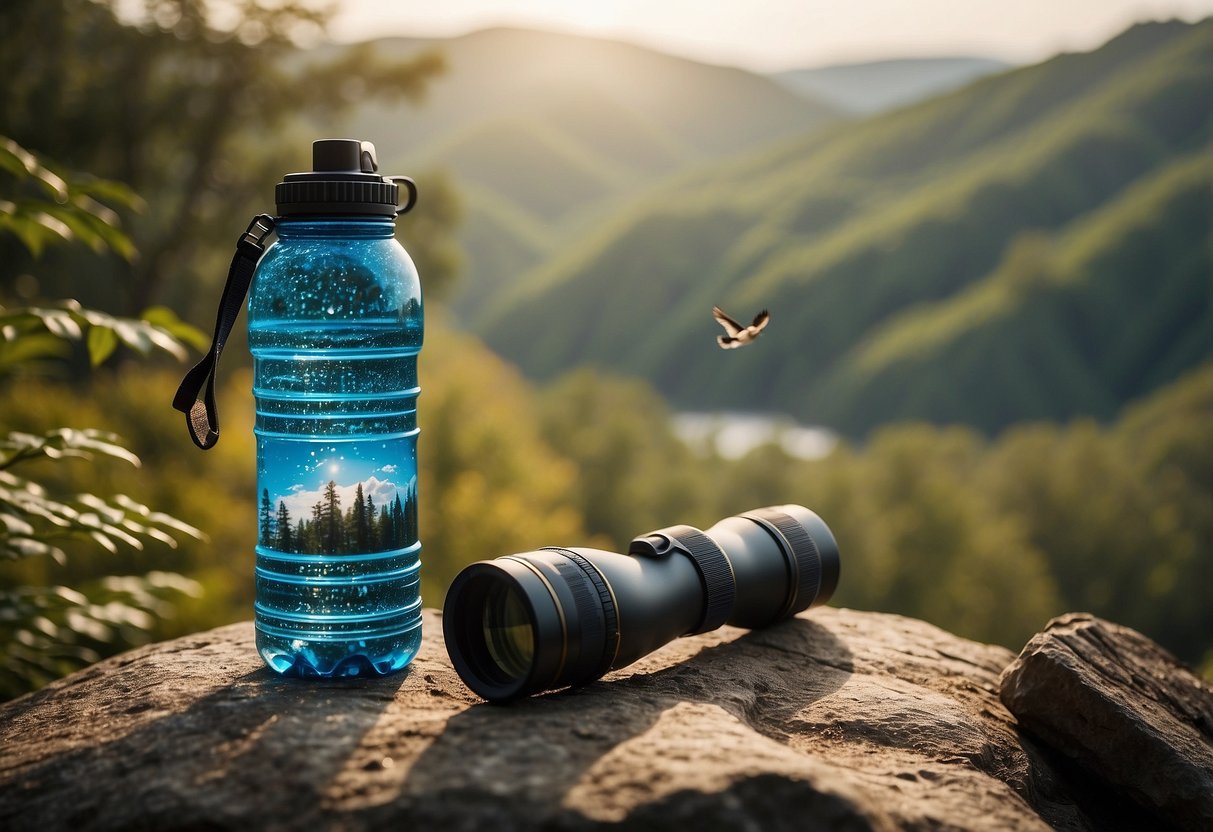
734,435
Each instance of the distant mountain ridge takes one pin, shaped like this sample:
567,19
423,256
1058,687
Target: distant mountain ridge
524,73
876,244
549,132
871,87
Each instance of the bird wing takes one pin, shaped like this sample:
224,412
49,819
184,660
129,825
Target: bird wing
730,326
727,342
760,321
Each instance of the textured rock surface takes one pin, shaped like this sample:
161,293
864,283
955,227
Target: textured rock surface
835,720
1122,706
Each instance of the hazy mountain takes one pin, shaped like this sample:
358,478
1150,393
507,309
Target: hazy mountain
1035,245
872,87
555,129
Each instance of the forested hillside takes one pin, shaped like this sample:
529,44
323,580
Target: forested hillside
1046,230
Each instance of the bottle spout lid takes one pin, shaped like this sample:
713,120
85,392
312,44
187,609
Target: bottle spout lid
344,179
344,156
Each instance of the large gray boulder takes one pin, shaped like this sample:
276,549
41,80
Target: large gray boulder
1123,708
834,720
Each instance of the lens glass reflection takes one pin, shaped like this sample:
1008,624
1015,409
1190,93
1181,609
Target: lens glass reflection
507,631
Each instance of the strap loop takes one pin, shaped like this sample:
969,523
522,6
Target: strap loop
202,415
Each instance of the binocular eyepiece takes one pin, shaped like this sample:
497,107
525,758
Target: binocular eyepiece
557,617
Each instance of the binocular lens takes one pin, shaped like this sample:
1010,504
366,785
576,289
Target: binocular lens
557,617
508,635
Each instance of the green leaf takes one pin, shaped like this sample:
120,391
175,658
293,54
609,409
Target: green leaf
10,161
25,165
25,547
103,442
166,342
167,320
32,234
15,525
170,522
61,324
30,349
120,534
97,231
132,335
110,191
101,344
64,209
104,541
62,442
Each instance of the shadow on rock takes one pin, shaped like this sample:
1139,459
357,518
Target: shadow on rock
188,763
529,754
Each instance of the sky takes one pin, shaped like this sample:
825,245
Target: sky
770,35
296,473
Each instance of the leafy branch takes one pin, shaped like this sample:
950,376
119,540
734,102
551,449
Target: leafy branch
46,208
30,518
31,333
46,631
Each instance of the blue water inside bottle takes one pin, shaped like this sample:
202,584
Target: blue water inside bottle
335,327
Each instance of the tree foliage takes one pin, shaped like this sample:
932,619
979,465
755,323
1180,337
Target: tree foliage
199,106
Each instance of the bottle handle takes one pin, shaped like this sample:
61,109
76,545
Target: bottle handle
411,187
201,415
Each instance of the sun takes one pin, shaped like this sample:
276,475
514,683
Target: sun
334,468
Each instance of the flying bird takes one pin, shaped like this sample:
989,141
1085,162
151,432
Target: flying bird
736,334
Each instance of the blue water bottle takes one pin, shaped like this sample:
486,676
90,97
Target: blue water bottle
335,326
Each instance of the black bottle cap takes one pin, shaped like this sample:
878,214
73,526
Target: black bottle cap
344,180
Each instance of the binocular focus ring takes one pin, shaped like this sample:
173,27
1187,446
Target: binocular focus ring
805,559
605,600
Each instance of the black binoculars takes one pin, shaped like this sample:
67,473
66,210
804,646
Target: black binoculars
557,617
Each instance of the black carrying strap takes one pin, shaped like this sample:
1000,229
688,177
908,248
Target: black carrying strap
201,415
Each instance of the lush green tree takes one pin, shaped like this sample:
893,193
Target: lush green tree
384,527
285,539
266,521
330,521
1125,516
918,539
633,475
199,106
360,530
928,264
